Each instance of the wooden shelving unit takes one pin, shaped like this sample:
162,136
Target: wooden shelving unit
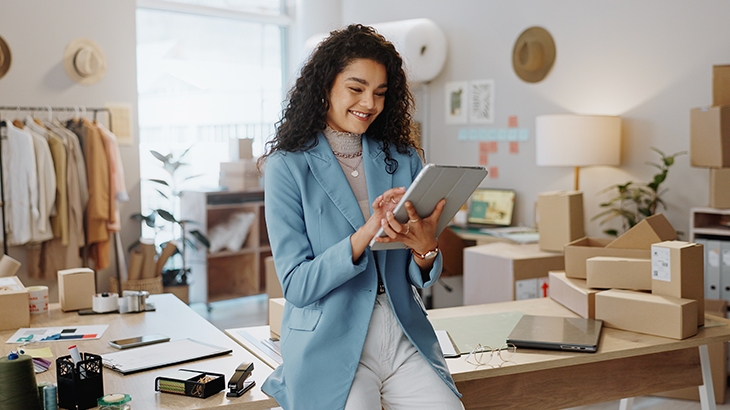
226,274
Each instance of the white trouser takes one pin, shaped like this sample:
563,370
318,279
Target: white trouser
392,373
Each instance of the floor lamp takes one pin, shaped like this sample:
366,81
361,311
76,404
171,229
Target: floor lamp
577,141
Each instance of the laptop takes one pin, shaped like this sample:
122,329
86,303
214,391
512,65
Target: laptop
557,333
490,208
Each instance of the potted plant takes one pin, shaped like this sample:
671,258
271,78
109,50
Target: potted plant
176,231
634,201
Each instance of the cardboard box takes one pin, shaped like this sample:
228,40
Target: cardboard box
273,287
720,84
640,312
678,270
76,288
240,148
709,138
719,194
501,271
574,294
562,219
13,304
608,272
239,183
276,312
240,168
8,266
577,252
648,231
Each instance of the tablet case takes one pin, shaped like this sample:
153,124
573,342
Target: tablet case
434,182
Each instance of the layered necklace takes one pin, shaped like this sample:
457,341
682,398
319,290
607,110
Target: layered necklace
353,169
346,146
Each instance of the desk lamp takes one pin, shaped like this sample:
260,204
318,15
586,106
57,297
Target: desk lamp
577,141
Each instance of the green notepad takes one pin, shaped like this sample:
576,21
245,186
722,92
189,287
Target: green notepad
467,331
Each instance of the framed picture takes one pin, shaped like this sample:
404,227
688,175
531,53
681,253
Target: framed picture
481,102
456,102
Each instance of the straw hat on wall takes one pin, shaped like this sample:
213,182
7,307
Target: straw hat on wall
534,54
84,61
4,58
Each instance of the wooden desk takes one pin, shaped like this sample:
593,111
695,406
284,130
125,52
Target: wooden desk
627,364
172,318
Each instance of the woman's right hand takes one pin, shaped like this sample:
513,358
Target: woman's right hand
383,204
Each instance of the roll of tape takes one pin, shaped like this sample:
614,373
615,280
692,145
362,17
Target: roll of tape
105,302
38,299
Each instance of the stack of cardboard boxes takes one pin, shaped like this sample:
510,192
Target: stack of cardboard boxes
241,174
710,137
644,281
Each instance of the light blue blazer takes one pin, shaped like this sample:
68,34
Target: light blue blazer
311,212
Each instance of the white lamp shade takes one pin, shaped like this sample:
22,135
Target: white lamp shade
577,140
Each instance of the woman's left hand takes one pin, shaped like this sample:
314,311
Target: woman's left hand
417,233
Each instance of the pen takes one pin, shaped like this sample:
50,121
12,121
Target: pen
76,357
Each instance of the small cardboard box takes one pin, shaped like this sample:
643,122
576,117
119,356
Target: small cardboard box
76,288
652,229
240,168
240,148
718,361
574,294
276,312
13,304
501,272
719,194
273,287
8,266
561,219
678,270
608,272
236,184
720,84
709,139
577,252
647,313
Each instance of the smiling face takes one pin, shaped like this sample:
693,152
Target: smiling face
357,96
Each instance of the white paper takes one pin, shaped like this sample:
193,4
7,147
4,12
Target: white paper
39,333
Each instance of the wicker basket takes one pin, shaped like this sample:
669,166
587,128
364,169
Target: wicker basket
151,285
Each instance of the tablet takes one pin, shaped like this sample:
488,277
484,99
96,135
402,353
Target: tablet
434,182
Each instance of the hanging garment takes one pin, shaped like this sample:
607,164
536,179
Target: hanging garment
116,177
98,210
20,179
41,230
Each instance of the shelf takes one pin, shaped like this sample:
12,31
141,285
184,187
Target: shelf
227,274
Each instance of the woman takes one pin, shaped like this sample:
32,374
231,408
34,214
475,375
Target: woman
354,331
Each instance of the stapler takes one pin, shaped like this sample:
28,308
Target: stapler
238,383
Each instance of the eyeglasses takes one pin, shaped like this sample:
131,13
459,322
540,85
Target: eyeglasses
483,355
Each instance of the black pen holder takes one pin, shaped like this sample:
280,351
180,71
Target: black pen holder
79,384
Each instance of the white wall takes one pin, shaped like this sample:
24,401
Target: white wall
37,32
649,62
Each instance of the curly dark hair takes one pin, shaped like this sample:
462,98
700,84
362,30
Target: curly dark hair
306,111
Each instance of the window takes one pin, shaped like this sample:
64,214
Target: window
205,78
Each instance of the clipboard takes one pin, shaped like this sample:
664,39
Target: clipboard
434,182
160,355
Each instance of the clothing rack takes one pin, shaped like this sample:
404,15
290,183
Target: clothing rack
80,112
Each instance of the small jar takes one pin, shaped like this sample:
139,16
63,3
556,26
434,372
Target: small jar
115,401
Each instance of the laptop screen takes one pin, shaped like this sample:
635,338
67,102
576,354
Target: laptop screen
491,207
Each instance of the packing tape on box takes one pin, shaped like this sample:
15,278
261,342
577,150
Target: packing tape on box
105,302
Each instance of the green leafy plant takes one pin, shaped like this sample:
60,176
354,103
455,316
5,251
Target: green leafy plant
177,230
634,201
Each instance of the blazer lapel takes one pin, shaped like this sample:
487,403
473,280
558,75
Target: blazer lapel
328,173
379,180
